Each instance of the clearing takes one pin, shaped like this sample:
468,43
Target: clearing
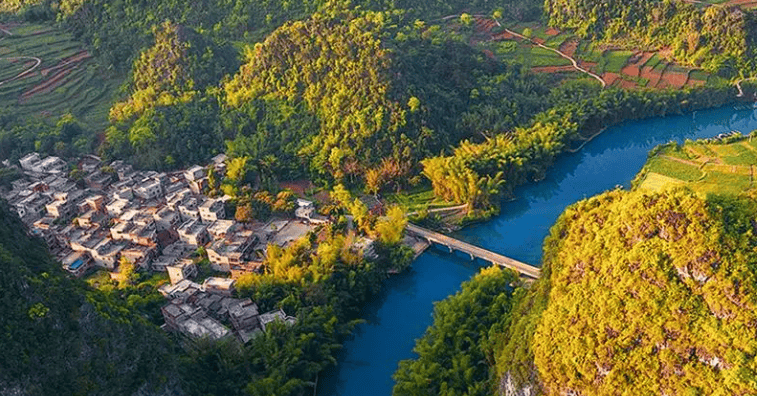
724,166
45,73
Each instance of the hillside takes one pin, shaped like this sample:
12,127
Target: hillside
650,293
60,338
716,38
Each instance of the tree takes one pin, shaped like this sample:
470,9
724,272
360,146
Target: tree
391,228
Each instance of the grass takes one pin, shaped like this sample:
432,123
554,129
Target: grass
616,60
418,200
675,169
723,169
84,90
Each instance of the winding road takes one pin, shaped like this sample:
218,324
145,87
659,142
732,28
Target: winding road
558,52
15,58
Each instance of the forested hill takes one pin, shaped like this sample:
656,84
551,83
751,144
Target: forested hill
652,293
61,339
716,38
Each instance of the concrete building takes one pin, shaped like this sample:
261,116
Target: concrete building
140,255
189,209
222,228
212,210
77,263
167,219
192,321
149,189
227,253
194,173
194,233
221,286
184,269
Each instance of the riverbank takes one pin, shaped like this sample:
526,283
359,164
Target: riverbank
401,313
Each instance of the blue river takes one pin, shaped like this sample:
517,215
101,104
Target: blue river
403,311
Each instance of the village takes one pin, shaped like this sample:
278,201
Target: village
156,221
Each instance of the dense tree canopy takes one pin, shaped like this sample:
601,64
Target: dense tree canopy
650,294
59,337
455,354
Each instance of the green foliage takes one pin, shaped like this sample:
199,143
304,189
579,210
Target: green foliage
60,337
717,39
480,173
455,356
650,294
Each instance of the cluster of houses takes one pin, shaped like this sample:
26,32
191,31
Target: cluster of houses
156,220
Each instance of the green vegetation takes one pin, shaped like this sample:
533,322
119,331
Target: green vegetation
717,39
724,167
60,337
456,353
480,173
68,86
669,257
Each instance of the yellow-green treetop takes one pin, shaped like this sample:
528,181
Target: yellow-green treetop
650,294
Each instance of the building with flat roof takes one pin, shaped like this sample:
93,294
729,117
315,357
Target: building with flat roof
77,263
212,210
184,269
234,250
194,233
222,286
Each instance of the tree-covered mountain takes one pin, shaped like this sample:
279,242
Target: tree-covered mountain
58,337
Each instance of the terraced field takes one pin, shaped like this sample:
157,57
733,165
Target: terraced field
45,73
621,68
706,167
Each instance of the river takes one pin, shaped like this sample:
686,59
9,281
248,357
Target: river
402,312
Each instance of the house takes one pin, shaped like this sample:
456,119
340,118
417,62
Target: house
231,251
192,321
222,286
184,269
189,209
77,263
96,202
32,162
306,211
149,189
244,318
194,233
140,255
182,290
60,208
117,207
33,207
98,180
222,228
107,253
275,316
212,210
194,173
167,219
29,161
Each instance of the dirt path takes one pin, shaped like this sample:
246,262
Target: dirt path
25,72
738,85
558,52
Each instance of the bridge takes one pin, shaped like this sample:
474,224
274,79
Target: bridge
474,251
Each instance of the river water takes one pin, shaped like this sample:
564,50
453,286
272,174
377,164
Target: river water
403,311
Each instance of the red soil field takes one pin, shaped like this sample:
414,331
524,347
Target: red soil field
553,69
551,32
569,47
633,68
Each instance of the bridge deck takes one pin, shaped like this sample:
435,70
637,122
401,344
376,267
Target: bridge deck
452,243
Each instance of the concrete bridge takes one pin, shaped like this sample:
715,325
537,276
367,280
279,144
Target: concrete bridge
474,251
